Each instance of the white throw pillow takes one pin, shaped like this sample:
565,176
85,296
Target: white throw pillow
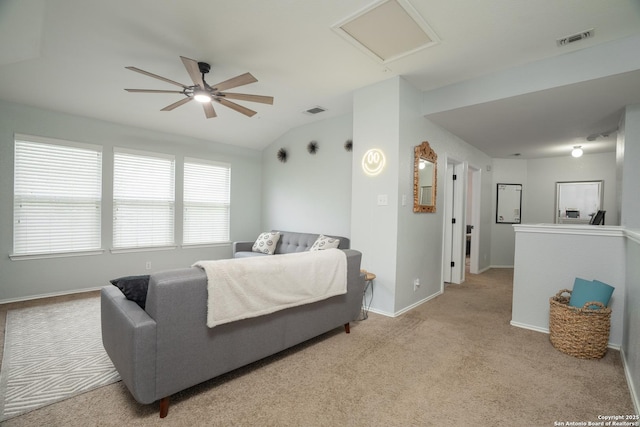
266,242
324,242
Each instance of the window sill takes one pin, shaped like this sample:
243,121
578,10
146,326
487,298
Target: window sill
24,257
142,249
205,245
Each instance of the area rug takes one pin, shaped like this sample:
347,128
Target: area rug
52,353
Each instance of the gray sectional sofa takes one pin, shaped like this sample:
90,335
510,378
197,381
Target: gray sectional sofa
289,242
167,347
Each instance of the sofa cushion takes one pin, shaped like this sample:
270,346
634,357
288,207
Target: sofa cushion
324,242
134,288
266,242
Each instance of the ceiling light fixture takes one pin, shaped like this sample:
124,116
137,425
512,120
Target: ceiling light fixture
201,96
577,151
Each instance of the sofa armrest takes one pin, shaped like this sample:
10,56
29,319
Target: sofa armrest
242,247
129,337
355,283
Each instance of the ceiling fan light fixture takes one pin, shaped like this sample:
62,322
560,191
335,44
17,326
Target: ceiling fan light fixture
577,151
202,96
204,93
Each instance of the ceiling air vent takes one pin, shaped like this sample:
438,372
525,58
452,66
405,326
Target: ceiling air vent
315,110
575,37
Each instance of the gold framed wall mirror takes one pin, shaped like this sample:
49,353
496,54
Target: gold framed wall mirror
425,178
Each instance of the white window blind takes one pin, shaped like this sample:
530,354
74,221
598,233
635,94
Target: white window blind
143,199
207,187
57,196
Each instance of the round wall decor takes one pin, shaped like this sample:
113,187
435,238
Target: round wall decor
282,155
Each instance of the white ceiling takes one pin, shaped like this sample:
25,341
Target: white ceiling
70,56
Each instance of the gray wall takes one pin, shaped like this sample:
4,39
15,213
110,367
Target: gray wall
31,278
538,178
630,203
310,192
328,192
399,245
503,238
544,173
629,152
631,337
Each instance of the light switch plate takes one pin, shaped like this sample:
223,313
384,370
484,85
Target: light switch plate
383,200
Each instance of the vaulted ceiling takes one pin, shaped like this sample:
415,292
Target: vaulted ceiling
70,56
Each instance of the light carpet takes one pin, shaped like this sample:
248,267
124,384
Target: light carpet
452,361
52,353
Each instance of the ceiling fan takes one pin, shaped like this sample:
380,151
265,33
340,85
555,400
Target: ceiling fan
202,92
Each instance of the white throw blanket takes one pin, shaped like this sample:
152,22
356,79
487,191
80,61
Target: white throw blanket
248,287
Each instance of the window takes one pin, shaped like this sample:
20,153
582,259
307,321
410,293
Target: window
143,199
56,196
206,202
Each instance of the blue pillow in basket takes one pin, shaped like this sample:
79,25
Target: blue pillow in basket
585,291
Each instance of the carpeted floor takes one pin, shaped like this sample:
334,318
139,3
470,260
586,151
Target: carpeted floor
453,361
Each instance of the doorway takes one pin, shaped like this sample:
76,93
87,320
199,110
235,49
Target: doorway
473,219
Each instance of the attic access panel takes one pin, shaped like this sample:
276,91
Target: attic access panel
387,30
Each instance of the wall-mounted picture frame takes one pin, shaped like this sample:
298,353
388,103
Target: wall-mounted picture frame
508,203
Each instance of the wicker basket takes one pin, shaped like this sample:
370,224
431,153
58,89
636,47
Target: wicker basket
579,332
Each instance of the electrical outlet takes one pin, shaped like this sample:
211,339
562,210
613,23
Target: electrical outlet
416,284
148,265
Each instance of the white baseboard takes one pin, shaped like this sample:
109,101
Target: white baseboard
501,266
49,295
414,305
404,310
383,313
546,331
630,384
529,327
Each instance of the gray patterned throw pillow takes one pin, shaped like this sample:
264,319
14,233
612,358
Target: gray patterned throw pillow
324,242
266,242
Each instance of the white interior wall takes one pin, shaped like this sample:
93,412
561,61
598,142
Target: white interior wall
544,173
374,227
309,193
539,177
551,256
618,56
631,322
630,205
503,240
384,113
419,241
630,157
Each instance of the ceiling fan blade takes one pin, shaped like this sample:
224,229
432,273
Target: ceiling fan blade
155,76
177,104
234,106
153,91
208,110
247,97
243,79
194,71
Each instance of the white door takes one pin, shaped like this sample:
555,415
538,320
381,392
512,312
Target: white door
448,225
473,218
454,236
